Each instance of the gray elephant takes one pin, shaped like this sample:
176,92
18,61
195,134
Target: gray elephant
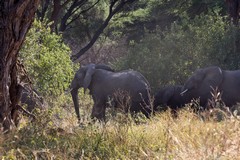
104,84
203,81
169,96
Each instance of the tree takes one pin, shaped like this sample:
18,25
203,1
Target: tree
15,20
169,57
67,14
233,7
62,13
114,7
46,60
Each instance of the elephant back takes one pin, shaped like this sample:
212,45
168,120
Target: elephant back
127,81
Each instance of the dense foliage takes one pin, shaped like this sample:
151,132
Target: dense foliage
166,40
47,60
171,56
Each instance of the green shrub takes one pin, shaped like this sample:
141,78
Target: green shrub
171,56
47,60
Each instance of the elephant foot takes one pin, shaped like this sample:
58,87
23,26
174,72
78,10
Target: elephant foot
99,117
98,111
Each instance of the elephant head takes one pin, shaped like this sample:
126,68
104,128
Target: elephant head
163,96
170,96
201,83
82,79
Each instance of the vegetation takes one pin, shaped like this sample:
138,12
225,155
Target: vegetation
47,60
203,41
164,40
16,19
162,137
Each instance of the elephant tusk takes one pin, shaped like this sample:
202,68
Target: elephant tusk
183,92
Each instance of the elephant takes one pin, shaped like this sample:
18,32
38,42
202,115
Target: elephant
203,81
104,84
169,96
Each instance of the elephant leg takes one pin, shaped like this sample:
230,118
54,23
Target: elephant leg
98,111
114,109
142,107
147,111
147,108
112,103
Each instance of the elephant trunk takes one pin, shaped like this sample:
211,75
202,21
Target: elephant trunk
74,93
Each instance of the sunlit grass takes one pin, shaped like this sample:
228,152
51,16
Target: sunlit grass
161,137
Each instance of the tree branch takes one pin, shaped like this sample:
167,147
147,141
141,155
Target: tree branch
83,11
76,5
112,11
41,14
65,3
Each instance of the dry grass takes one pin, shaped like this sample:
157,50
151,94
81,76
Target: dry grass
161,137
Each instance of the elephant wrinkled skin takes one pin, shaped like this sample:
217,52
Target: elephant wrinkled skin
203,81
103,83
169,96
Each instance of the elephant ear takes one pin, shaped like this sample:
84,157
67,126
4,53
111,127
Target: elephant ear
213,76
88,76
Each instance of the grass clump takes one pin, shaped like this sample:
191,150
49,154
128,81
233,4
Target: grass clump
161,137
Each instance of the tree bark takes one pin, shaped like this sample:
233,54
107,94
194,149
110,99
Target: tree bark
57,8
16,17
233,9
42,11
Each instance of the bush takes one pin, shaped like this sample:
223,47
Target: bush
171,56
47,60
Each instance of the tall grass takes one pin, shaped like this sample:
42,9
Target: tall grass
161,137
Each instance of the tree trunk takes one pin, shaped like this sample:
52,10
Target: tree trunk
57,8
233,9
16,17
